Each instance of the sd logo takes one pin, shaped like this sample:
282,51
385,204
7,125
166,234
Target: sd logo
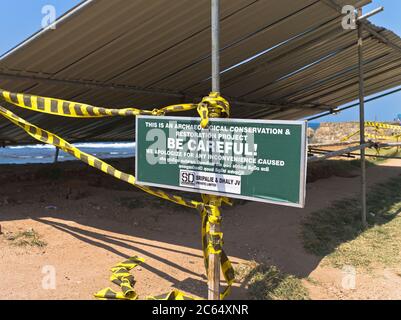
188,178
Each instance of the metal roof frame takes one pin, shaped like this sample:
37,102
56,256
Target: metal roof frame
296,54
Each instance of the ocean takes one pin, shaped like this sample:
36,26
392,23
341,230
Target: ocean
45,153
314,125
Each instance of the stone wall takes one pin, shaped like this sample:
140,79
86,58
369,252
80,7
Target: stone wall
335,131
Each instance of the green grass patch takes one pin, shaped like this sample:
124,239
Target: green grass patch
269,283
336,232
25,238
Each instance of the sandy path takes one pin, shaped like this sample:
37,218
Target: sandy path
88,233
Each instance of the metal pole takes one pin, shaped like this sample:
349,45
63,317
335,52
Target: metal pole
216,45
341,152
56,155
214,259
362,119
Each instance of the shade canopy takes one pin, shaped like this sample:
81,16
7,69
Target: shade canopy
281,59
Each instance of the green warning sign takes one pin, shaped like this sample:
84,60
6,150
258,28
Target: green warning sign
258,160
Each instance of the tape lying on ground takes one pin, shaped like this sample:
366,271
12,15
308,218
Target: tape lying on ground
172,295
122,277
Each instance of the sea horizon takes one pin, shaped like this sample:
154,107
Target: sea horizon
35,154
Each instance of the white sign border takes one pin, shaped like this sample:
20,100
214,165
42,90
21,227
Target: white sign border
303,163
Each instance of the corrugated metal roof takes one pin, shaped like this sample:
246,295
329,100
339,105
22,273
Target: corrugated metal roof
158,52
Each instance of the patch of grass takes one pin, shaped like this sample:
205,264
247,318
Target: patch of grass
313,281
243,270
336,232
346,168
269,283
388,152
25,238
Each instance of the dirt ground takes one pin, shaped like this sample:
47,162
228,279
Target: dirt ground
90,222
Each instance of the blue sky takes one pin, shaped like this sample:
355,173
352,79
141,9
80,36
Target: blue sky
24,18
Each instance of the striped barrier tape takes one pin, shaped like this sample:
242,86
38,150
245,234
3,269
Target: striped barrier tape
65,108
52,139
72,109
172,295
349,136
122,277
382,125
214,103
211,243
373,136
381,137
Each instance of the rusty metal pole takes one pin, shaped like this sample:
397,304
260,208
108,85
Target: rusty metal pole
214,259
362,119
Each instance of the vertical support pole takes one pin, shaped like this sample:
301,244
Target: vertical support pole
56,155
215,45
214,259
362,119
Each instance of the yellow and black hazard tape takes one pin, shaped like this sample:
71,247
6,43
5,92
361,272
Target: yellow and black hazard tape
72,109
381,137
381,125
122,277
172,295
373,136
214,103
52,139
211,243
58,107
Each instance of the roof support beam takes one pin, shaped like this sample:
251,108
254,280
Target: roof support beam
91,84
380,37
165,93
